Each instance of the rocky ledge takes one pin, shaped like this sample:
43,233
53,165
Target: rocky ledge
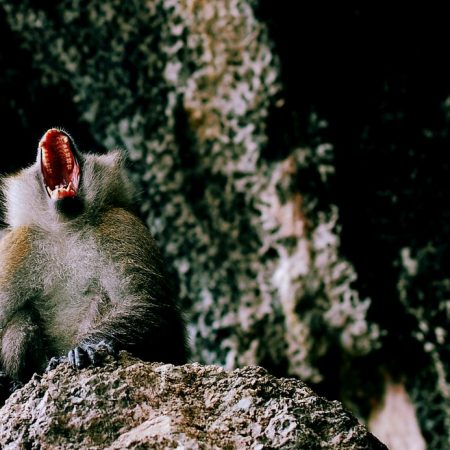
128,403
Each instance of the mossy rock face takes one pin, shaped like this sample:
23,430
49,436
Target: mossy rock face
293,201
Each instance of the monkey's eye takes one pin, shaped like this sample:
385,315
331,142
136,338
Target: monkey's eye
59,166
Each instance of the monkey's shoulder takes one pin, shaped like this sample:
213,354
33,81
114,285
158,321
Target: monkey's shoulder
15,248
114,219
119,229
16,237
16,243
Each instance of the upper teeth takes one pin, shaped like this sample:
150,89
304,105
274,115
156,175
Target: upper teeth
67,153
62,147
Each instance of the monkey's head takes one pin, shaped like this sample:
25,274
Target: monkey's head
65,184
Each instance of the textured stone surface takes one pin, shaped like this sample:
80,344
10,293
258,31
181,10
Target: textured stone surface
132,404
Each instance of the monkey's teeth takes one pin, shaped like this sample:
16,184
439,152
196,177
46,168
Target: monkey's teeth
48,166
67,155
54,194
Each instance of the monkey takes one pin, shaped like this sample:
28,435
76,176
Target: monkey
80,274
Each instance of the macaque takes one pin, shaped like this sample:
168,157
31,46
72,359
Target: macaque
80,275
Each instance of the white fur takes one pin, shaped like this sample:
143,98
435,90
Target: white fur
103,183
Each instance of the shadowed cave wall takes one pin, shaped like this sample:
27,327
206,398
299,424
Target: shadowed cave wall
293,166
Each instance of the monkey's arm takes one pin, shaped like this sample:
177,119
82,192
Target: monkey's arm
21,351
143,317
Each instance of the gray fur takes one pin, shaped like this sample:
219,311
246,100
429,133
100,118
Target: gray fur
66,282
104,183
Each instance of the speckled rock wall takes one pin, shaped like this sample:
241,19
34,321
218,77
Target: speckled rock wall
272,221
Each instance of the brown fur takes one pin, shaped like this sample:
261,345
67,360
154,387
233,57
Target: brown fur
16,246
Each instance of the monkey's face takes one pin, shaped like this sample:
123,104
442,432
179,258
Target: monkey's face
59,165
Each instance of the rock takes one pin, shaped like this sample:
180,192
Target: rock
132,404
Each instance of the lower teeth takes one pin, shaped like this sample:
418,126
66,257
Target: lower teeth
58,188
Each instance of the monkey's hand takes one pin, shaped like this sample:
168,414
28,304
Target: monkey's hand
55,362
89,353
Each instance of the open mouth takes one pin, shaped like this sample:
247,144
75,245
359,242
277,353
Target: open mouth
59,166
